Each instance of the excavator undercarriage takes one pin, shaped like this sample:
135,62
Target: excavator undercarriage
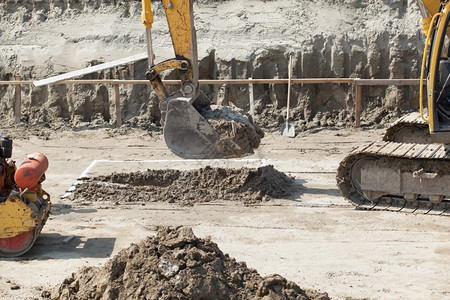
397,177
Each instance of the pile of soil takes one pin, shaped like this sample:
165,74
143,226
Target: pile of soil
188,187
238,134
177,265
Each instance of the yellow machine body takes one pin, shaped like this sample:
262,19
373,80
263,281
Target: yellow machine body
17,217
436,70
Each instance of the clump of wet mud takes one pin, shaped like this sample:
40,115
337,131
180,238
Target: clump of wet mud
247,185
175,264
238,134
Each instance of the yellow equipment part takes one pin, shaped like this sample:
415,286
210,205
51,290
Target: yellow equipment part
185,112
17,217
435,69
179,14
431,6
21,222
428,8
147,14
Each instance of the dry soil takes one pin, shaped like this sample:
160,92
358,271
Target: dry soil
313,237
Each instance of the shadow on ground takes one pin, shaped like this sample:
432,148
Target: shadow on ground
49,246
62,208
301,189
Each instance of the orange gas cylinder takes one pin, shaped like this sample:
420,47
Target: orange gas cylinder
30,171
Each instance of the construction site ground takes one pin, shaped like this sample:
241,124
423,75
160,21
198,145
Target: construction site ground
314,237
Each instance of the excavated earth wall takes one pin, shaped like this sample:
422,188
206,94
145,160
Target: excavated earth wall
236,39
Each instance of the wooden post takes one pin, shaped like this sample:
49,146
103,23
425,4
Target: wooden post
118,110
358,104
252,100
17,101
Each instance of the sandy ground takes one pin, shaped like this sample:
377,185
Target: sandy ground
314,238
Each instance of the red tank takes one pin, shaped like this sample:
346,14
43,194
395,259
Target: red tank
30,171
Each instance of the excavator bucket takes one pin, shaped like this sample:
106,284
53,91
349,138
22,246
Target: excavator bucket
187,133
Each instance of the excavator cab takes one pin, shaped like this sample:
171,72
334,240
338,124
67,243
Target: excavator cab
436,69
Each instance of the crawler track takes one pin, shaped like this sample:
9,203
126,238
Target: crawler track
401,157
408,129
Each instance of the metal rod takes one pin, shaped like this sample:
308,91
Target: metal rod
252,100
148,35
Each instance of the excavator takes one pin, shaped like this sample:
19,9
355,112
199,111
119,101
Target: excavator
409,170
192,129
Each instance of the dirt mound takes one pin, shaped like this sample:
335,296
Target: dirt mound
177,265
188,187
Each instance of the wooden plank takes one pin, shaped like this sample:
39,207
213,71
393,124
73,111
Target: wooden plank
214,81
91,69
387,81
15,82
252,100
17,101
361,82
358,106
118,109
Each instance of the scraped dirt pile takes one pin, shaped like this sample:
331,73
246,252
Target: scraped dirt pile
177,265
188,187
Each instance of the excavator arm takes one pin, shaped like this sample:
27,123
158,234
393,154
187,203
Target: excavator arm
187,131
180,21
